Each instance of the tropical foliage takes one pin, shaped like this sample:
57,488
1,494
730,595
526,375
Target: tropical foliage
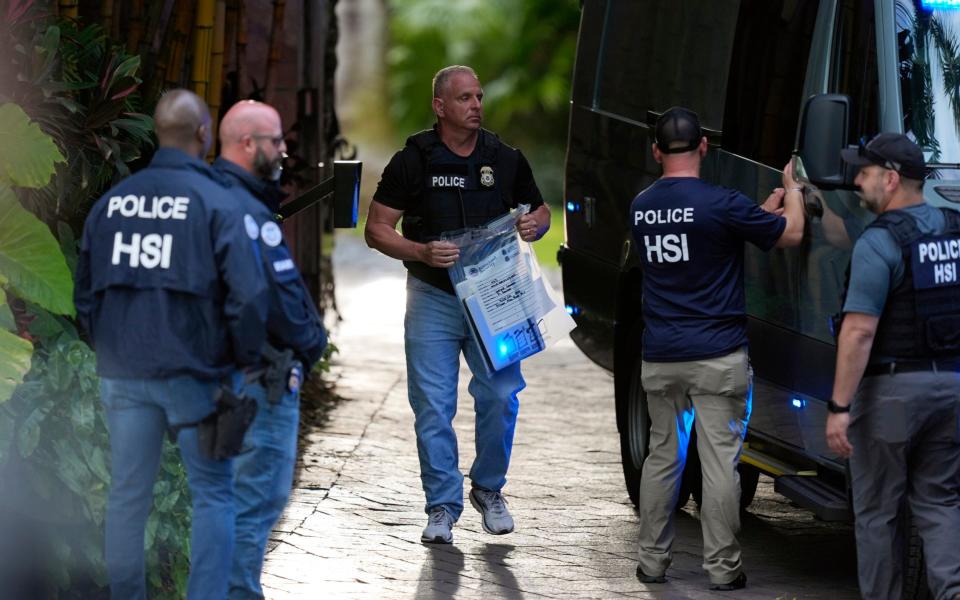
82,89
927,44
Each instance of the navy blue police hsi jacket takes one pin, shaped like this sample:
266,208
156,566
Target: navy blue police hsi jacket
168,282
293,321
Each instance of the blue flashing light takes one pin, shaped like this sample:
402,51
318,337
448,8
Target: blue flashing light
940,4
573,206
798,402
506,345
573,310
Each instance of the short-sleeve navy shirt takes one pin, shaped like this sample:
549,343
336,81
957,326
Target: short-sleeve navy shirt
690,236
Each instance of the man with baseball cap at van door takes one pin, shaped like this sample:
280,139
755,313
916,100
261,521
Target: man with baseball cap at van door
690,236
896,394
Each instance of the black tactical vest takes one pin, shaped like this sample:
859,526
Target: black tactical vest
921,319
457,193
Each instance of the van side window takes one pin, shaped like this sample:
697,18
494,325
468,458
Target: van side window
765,87
664,52
855,70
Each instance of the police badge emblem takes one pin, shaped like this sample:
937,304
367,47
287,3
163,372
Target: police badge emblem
486,176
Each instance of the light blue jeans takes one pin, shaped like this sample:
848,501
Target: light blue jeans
435,333
264,476
138,414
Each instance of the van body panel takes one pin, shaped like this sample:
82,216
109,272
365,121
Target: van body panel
747,74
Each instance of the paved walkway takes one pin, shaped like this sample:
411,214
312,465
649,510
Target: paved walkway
353,526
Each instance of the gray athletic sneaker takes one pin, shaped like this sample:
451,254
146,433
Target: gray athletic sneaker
493,506
439,529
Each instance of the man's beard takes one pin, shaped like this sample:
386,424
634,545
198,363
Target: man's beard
266,168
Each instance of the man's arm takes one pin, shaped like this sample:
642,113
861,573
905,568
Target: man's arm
381,234
853,352
792,210
533,225
246,303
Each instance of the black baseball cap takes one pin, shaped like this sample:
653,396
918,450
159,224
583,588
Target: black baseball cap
678,130
893,151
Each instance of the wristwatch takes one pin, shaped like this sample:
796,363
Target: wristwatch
836,408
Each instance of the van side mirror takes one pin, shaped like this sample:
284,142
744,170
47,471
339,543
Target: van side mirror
824,127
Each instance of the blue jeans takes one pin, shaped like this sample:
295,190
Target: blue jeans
435,333
138,414
264,476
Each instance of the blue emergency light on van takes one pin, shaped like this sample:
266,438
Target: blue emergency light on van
940,4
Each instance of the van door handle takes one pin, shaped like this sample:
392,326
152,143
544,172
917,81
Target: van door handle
589,210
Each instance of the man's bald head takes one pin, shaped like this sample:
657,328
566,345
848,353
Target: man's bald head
182,121
251,135
247,117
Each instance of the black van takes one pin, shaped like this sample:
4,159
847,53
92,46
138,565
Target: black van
766,77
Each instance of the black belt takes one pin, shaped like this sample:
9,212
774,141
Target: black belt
949,365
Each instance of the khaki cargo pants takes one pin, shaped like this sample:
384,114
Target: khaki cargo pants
716,392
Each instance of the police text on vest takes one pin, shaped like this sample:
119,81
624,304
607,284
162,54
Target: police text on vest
448,181
663,217
147,251
942,253
163,207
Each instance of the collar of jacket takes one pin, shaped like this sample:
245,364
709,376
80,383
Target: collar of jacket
268,192
174,158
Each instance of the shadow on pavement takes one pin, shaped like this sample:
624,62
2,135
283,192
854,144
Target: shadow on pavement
495,556
440,573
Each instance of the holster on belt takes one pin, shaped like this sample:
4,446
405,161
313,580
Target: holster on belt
220,434
277,372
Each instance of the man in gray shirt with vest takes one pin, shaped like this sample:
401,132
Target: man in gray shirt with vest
896,394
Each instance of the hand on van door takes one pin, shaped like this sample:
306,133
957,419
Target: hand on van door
792,210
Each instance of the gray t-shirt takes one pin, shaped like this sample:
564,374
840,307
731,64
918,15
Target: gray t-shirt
877,263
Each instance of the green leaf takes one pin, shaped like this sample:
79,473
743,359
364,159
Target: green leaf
28,154
15,354
98,464
151,531
166,503
68,245
30,258
29,436
7,426
6,315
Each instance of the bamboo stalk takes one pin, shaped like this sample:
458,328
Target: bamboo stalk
158,52
242,76
276,35
106,15
69,8
230,36
135,27
183,17
215,89
202,46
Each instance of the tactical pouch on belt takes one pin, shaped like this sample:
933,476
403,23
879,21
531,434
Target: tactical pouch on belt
277,374
220,434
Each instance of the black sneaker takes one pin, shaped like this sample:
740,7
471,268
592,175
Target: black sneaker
737,584
644,578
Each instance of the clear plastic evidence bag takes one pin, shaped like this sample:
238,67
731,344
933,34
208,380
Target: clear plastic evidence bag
512,310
